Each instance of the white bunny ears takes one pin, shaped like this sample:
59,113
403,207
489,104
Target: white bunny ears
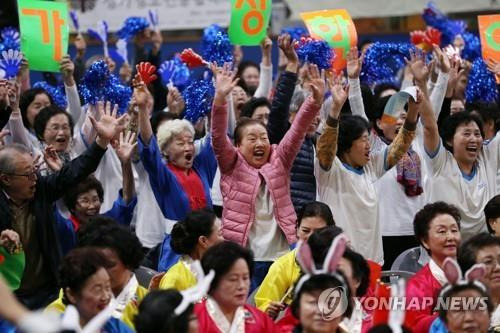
333,256
454,275
195,293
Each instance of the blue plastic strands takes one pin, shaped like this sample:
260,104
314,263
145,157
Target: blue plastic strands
315,51
116,93
94,82
481,86
198,97
383,61
10,39
472,48
132,26
98,84
295,32
56,93
215,45
449,28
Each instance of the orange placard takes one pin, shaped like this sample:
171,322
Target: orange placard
489,31
336,28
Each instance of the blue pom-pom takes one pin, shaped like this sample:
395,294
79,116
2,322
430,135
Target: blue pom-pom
198,97
56,93
132,26
481,86
116,93
295,32
98,84
216,46
94,82
472,48
383,61
449,28
315,51
10,39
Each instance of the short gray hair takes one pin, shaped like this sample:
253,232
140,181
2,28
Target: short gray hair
7,154
171,128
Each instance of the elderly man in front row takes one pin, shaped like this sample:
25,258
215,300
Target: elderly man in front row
26,201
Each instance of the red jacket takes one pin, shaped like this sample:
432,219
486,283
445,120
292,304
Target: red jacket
256,321
422,291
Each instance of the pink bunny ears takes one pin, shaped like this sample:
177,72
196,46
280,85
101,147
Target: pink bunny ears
306,261
455,277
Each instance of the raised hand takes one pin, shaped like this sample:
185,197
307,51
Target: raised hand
285,43
67,68
354,63
141,93
225,81
266,46
455,73
108,125
317,84
175,102
125,147
339,94
414,107
443,62
13,93
493,66
52,159
418,67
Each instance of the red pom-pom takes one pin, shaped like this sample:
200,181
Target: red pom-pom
191,58
425,39
147,72
433,36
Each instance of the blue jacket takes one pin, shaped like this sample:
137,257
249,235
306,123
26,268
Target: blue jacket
113,325
121,212
302,180
171,198
168,192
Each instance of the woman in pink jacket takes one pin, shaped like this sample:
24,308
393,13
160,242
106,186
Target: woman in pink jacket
258,212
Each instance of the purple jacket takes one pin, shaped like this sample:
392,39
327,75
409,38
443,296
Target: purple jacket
240,182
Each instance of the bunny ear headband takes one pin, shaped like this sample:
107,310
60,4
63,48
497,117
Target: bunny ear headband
306,262
454,275
195,293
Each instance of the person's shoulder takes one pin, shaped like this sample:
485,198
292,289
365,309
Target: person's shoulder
115,325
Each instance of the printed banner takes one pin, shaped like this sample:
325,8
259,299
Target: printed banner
336,28
489,31
44,33
249,21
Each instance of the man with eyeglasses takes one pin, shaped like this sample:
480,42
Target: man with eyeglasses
26,206
484,249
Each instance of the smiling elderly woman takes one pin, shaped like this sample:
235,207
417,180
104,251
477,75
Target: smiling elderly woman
86,285
181,182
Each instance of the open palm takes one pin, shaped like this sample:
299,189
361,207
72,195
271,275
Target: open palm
108,125
126,146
